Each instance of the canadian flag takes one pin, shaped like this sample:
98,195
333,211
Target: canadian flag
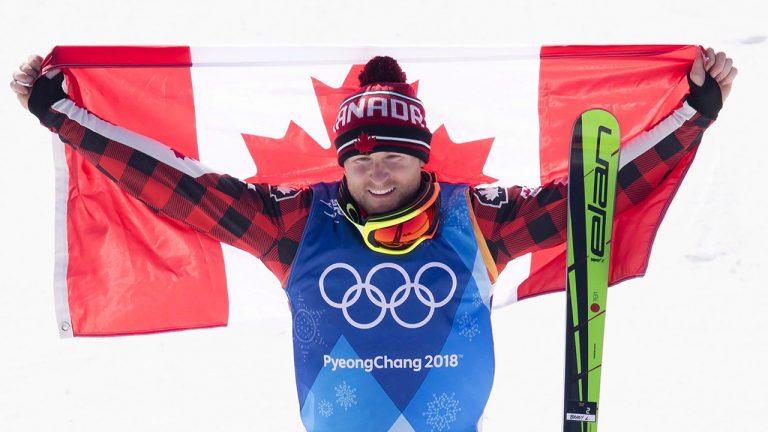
266,115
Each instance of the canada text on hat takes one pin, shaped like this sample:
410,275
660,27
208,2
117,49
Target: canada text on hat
378,106
384,116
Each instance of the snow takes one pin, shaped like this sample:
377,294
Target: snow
685,346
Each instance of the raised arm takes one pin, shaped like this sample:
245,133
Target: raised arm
263,220
518,220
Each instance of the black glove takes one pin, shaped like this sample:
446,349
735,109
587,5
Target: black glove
46,92
707,99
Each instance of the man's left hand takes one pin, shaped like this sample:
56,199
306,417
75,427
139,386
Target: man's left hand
718,66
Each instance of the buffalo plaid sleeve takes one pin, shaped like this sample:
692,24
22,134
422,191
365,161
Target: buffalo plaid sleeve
517,220
264,220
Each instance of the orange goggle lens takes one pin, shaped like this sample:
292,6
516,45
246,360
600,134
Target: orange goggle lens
400,236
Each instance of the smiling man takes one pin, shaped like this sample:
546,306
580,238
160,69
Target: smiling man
384,181
390,293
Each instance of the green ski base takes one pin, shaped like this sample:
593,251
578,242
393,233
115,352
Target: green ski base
591,194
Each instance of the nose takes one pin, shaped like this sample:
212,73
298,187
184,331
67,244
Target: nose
379,172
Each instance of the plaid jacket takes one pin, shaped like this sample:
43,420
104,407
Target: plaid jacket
268,221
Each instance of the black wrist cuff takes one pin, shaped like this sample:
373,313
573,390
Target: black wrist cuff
707,99
46,92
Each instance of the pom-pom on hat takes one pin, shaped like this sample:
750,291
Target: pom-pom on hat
385,115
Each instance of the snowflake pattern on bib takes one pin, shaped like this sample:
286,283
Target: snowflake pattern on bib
441,412
345,395
325,408
468,326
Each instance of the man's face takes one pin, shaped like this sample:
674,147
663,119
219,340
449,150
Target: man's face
384,181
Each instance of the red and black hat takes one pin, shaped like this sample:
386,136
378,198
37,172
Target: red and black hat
385,115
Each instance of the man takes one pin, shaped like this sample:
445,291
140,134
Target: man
390,293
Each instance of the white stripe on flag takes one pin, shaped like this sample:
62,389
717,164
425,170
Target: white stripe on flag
514,274
475,92
61,247
298,56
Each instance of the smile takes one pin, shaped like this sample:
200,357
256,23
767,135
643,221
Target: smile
381,192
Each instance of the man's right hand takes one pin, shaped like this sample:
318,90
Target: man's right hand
24,76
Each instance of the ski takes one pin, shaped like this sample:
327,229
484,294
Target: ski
591,194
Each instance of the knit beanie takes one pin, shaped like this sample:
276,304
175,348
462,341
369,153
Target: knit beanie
384,115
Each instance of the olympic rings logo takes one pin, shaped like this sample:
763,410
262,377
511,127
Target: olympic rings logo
377,297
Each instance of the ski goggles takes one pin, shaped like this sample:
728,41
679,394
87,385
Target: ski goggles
402,231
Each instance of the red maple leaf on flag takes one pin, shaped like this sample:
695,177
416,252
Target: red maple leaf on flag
295,159
298,159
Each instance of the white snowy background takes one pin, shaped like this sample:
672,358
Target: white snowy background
685,346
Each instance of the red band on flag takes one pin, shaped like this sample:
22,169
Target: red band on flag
162,276
576,78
